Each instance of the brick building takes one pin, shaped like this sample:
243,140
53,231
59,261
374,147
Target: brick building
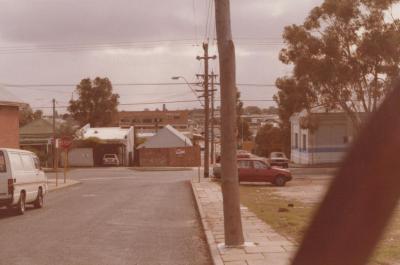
150,121
9,120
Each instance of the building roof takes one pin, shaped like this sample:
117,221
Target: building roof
167,137
40,127
145,134
8,99
316,110
105,133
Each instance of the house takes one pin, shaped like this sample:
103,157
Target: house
38,136
152,121
108,140
9,119
320,136
169,148
167,137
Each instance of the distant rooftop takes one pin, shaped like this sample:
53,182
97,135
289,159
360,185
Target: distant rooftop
105,133
8,99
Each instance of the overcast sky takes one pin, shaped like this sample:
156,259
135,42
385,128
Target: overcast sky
136,41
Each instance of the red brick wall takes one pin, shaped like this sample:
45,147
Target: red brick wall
170,157
9,127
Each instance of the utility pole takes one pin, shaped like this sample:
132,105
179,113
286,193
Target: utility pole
211,94
213,76
54,133
230,181
207,111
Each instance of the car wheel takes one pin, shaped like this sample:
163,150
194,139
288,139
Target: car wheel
280,181
39,200
21,203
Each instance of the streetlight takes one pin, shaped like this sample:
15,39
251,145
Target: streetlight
189,85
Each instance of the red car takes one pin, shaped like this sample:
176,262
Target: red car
257,170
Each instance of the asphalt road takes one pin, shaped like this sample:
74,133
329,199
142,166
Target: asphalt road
116,216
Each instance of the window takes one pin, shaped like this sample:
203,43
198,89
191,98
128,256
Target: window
345,139
37,162
16,162
304,142
28,163
3,167
259,165
147,120
296,140
244,164
177,117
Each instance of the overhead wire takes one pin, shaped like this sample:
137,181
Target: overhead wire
196,29
158,102
76,47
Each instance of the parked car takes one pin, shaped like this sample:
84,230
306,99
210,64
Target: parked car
21,180
278,159
110,160
258,170
239,154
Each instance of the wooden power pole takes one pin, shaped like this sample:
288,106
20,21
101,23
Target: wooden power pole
213,76
230,181
207,111
54,134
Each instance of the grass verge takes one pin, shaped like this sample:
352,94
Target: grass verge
291,217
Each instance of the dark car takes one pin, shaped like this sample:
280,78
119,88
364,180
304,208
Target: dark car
239,154
278,159
258,170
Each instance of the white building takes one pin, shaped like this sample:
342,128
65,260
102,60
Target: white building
327,142
120,141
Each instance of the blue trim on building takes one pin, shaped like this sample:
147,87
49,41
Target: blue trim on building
322,150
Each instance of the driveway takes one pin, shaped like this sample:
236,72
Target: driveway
116,216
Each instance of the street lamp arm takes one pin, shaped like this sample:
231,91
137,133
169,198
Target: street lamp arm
189,85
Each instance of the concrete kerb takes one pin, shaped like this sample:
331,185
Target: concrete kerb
161,168
211,242
61,184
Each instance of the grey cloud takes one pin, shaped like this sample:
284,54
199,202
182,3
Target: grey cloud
47,22
82,21
44,21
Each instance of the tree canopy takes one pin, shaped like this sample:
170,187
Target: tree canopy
252,110
268,139
346,56
243,127
26,115
96,104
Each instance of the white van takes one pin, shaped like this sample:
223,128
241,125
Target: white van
21,179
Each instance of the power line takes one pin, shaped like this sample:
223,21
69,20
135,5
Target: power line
162,102
195,22
131,84
76,47
208,20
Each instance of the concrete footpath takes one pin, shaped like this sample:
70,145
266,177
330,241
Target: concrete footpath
263,245
51,183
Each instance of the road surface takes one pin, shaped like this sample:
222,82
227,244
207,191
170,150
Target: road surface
116,216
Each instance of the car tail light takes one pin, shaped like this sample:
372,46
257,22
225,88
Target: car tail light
10,186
